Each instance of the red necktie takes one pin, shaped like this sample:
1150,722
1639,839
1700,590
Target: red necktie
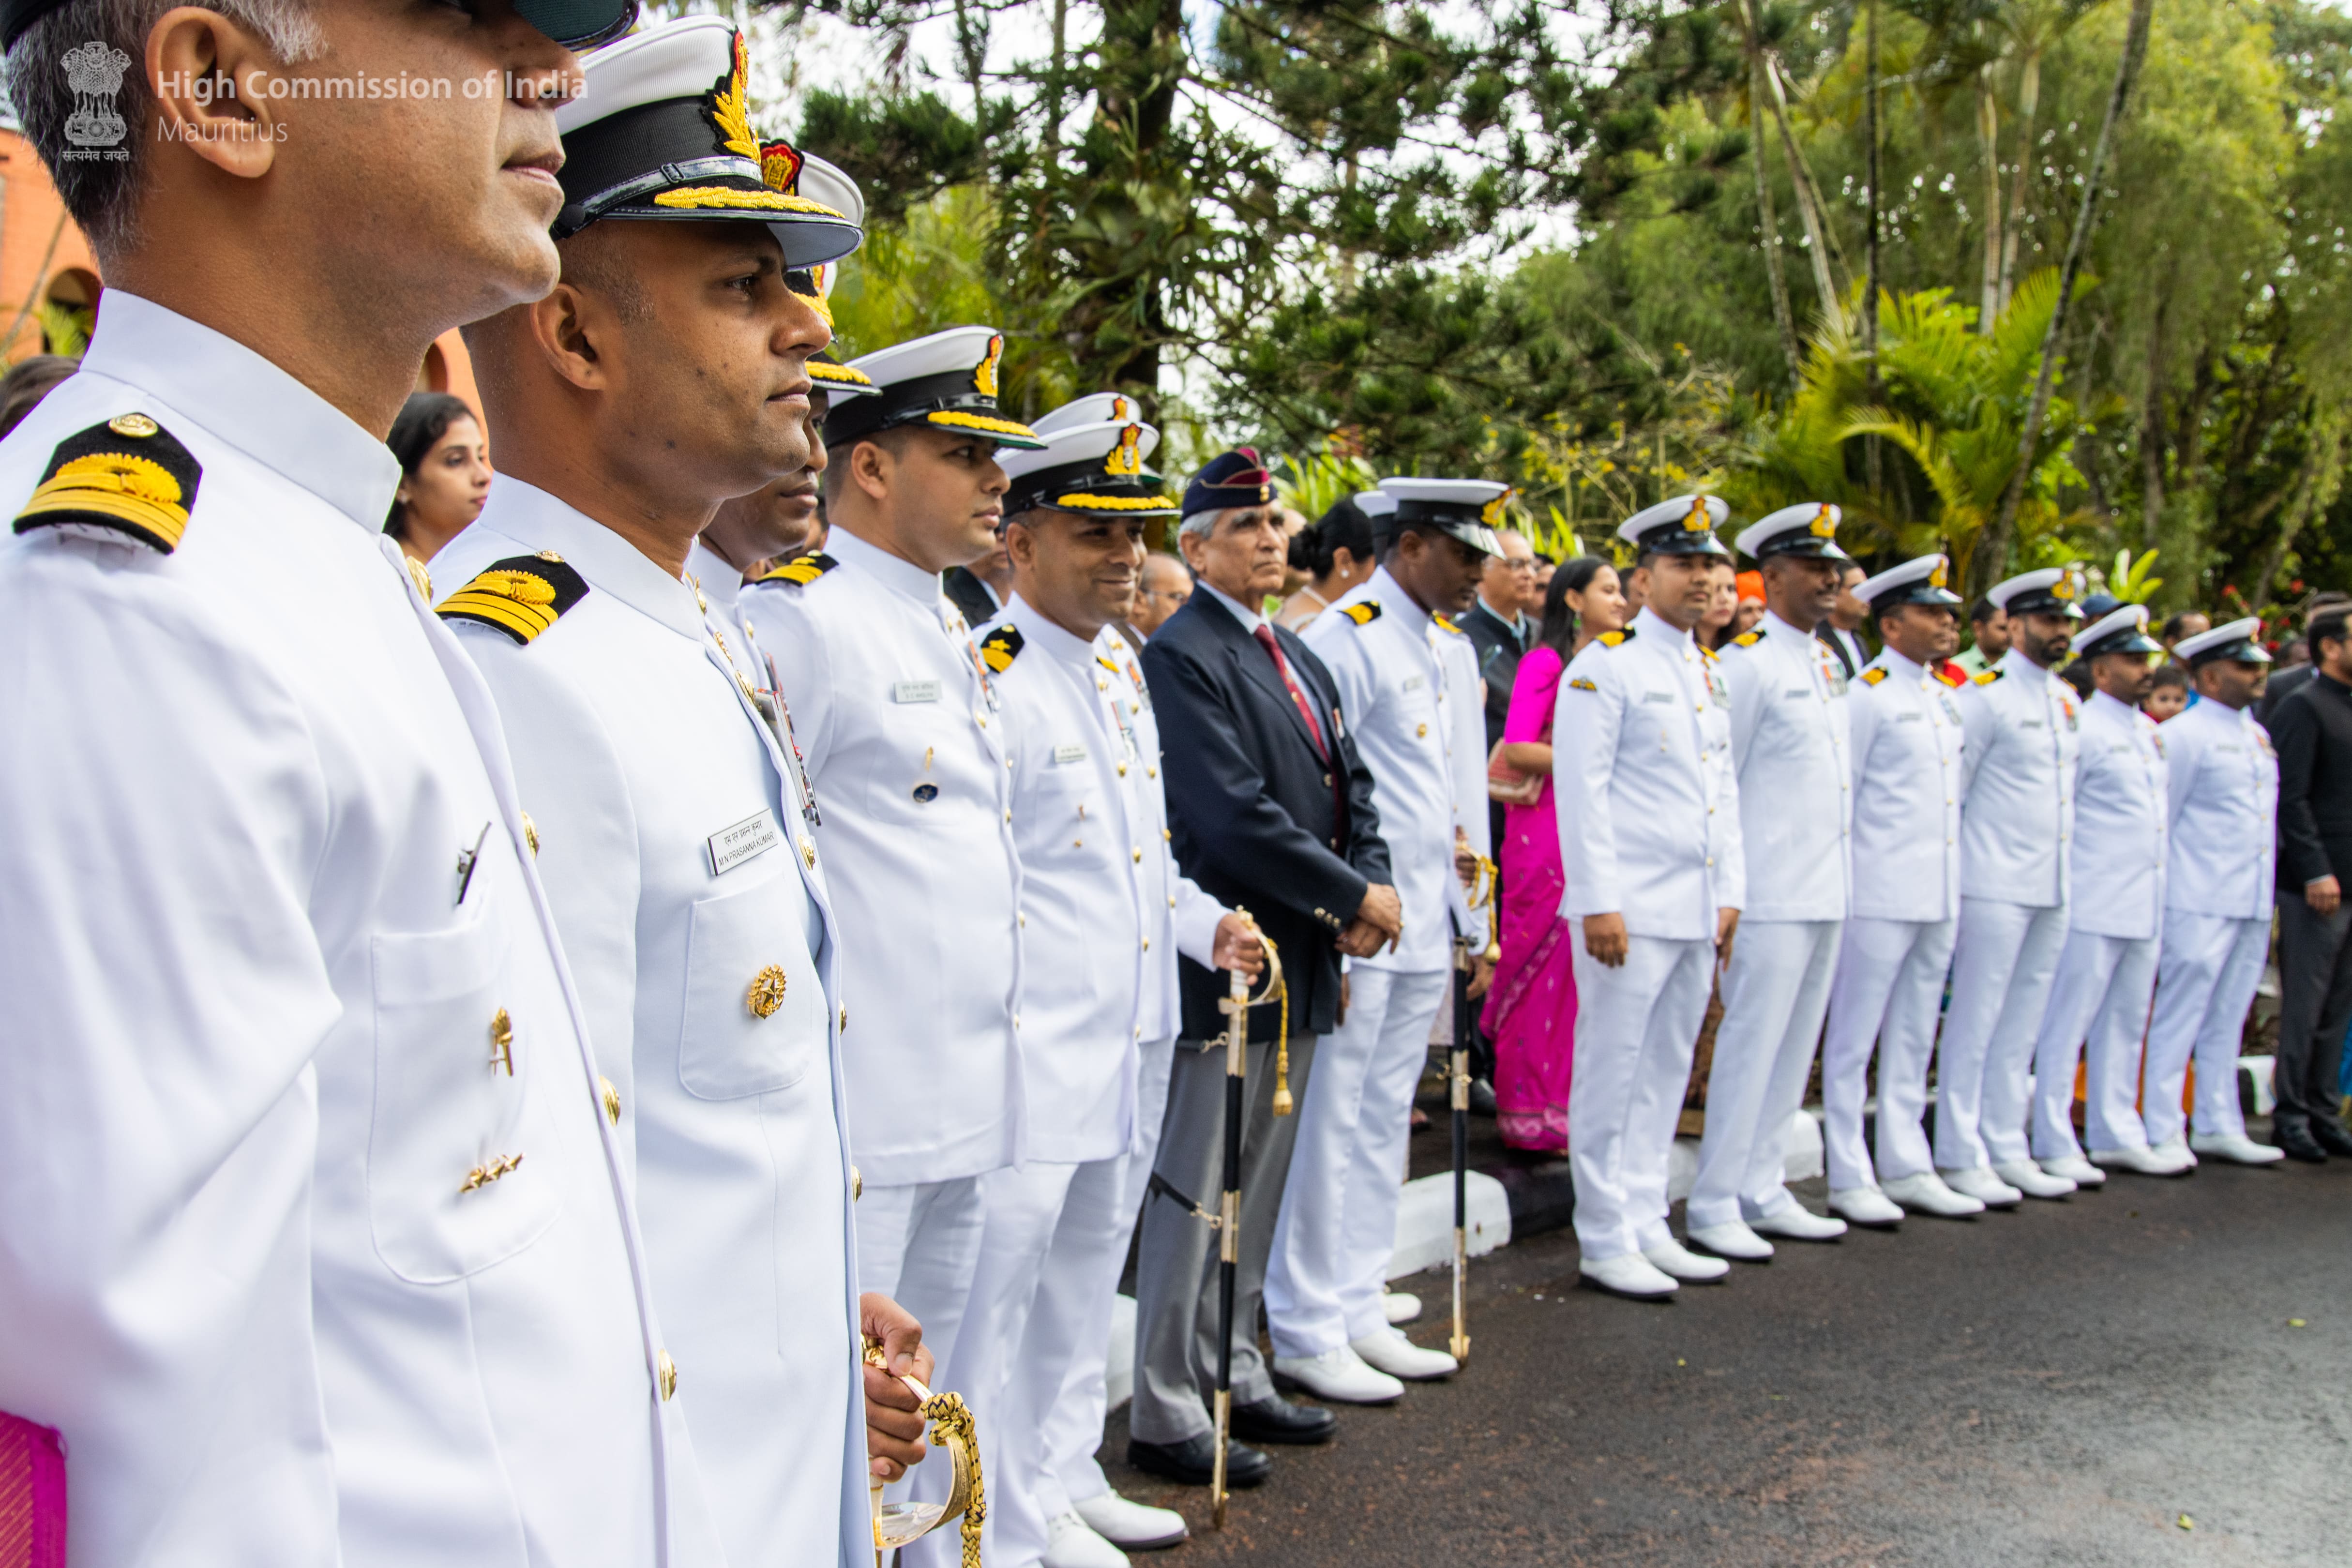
1265,635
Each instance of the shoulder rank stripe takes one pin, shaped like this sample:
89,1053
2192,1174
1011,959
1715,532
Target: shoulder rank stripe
520,595
1582,684
1949,679
1445,624
802,570
1615,639
1749,640
1364,612
1110,665
1001,647
1873,676
127,477
1988,677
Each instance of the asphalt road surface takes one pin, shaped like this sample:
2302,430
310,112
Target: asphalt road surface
2158,1372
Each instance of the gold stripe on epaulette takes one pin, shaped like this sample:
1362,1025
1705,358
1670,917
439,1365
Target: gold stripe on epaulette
131,489
525,620
1873,676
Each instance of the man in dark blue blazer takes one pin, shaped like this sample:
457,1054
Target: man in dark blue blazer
1271,811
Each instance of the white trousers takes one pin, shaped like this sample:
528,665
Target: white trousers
1337,1232
1064,1354
2205,981
1635,1027
1889,990
2098,1008
1776,991
918,1244
2002,960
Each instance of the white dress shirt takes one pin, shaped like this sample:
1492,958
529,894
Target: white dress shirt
2221,779
683,874
908,752
253,995
2017,800
1906,742
2121,823
1389,677
1789,743
1641,775
1100,889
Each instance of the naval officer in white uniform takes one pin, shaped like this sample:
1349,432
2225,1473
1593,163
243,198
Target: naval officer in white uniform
2221,777
1903,721
2017,814
1649,832
297,1275
1326,1288
2106,972
1789,748
1101,892
675,837
901,729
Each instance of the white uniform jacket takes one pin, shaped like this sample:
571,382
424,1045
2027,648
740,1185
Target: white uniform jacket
684,877
268,913
1788,743
1377,643
2221,777
2121,822
1099,890
911,764
1463,698
1906,742
2017,798
1648,801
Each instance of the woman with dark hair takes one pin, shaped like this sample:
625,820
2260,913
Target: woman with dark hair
1335,550
445,473
1532,1007
28,382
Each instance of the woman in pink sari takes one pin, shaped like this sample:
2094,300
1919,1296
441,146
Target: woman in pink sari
1531,1008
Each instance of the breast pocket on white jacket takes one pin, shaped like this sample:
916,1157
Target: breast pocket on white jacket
452,1188
753,1018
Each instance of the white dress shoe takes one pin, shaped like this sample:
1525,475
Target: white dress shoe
2032,1180
2140,1158
1866,1206
1927,1194
1670,1257
1627,1274
2236,1148
1732,1240
1402,1306
1984,1187
1387,1350
2175,1152
1341,1375
2076,1169
1133,1525
1070,1543
1795,1222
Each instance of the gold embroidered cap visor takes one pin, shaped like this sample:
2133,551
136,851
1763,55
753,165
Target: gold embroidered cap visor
1096,470
662,132
946,379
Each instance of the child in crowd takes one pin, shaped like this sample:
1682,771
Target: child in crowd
2168,692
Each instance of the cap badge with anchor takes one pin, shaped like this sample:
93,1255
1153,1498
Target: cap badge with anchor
1096,466
1683,526
946,379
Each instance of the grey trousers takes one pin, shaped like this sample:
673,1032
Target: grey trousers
2315,1007
1176,1262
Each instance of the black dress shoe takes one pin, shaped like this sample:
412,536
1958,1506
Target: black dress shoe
2296,1140
1482,1097
2332,1138
1275,1419
1192,1461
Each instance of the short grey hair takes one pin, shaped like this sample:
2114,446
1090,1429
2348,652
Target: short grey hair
1204,523
102,193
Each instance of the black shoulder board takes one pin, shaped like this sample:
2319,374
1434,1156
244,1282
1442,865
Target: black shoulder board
128,478
803,569
1615,639
520,595
1001,647
1364,612
1988,677
1874,675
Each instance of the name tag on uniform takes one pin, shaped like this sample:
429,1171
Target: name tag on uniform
2029,723
915,691
1799,691
1412,683
754,835
1072,753
1666,697
1911,718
